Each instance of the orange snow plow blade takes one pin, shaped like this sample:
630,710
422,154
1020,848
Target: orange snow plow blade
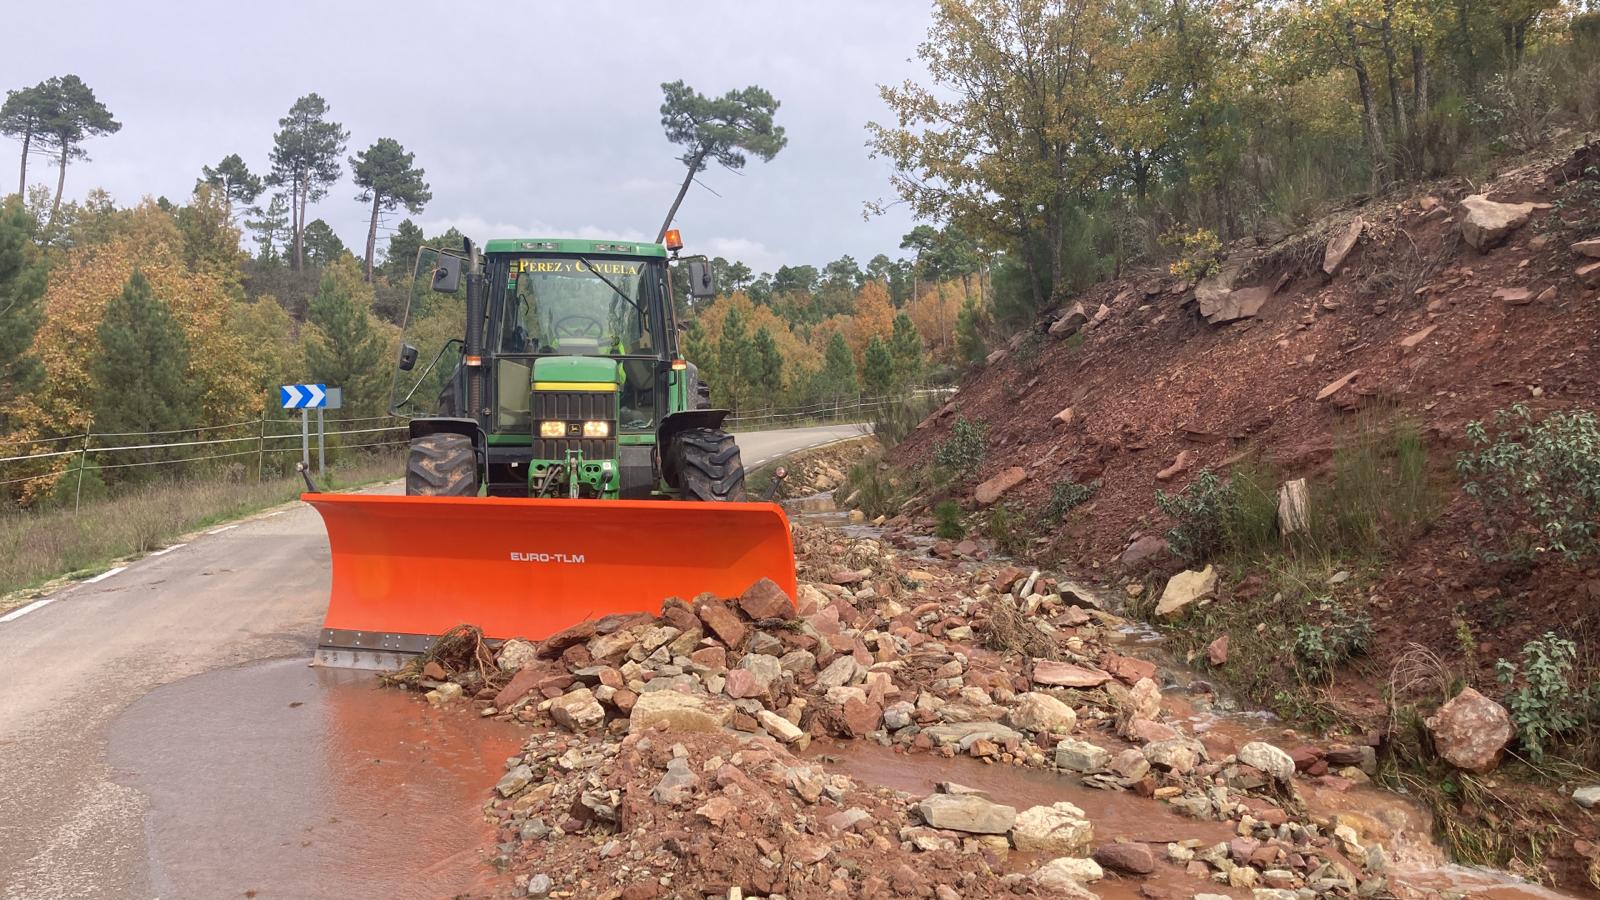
407,569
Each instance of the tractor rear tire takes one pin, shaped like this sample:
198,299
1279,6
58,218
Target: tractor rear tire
707,464
442,465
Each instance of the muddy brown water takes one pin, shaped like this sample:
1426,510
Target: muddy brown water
292,781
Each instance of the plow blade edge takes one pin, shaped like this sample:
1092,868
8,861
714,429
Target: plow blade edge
407,569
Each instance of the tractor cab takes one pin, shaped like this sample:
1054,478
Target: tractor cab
571,351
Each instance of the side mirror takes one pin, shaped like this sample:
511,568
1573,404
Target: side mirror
447,277
701,282
408,357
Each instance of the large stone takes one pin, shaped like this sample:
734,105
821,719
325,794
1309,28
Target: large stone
514,780
1082,756
1066,873
1590,248
553,645
1177,755
1129,859
1486,224
1337,385
1471,731
1186,588
766,669
1144,700
578,710
680,712
1244,303
963,734
1144,553
1340,245
966,812
515,654
1267,758
677,786
1059,828
1038,711
778,726
842,671
765,600
1059,674
991,490
723,622
1061,879
1587,797
1070,321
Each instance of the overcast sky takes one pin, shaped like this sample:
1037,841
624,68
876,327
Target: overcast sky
530,118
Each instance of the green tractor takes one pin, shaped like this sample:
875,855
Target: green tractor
565,377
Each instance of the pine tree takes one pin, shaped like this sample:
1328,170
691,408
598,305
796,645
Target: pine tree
735,362
969,339
905,346
271,227
344,350
22,283
837,380
387,179
141,375
767,377
879,370
305,160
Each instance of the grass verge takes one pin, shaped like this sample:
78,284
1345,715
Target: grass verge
38,547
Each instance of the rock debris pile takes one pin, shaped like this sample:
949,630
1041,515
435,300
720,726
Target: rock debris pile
686,754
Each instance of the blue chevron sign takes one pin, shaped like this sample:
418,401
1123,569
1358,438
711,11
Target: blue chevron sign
303,396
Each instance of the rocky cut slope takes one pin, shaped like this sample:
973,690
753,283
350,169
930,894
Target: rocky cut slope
1439,308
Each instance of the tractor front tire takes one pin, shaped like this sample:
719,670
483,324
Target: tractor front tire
707,463
442,465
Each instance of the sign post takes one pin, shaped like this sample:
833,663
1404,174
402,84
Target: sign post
305,397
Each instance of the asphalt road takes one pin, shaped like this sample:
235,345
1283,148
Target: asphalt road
70,826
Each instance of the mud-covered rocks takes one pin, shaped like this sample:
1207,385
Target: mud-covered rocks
1072,871
1060,828
967,813
515,654
765,600
515,779
1039,711
1471,731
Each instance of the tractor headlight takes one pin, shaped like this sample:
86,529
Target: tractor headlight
596,429
550,429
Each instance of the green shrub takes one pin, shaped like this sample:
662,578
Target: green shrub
873,489
1200,511
1538,482
1004,527
1546,706
1251,520
1341,636
1065,496
963,452
947,515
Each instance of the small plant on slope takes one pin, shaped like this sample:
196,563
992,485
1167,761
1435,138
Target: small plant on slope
963,452
1538,478
1546,706
1201,512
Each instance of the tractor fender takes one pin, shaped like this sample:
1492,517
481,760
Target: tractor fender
450,425
679,422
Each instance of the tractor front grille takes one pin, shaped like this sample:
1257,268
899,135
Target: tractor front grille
574,406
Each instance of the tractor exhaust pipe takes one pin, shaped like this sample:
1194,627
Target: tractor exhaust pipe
473,349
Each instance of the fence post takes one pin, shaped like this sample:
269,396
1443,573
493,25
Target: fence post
261,447
83,460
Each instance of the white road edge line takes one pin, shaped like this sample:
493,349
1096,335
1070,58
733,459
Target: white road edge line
104,575
165,550
222,529
19,613
271,514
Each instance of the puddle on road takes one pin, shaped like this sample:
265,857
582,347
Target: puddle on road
292,781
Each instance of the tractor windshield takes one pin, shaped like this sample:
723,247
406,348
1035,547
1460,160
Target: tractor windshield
564,305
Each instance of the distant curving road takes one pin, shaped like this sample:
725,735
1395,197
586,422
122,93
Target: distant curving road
239,593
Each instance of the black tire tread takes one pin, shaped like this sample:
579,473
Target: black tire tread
708,466
442,465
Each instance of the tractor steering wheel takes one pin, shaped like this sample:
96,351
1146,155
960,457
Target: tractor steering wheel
585,327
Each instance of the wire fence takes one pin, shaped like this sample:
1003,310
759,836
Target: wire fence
257,449
846,409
